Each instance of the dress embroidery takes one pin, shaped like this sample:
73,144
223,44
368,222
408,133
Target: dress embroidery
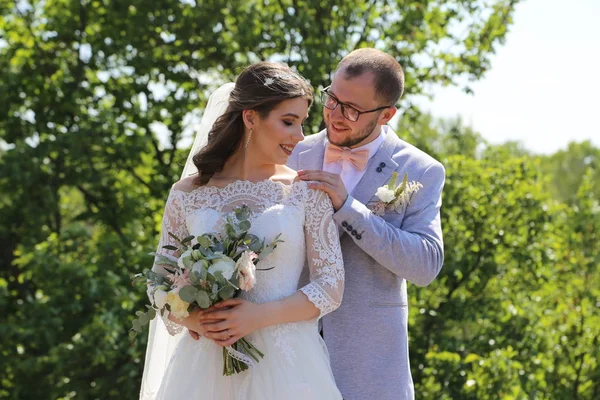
303,217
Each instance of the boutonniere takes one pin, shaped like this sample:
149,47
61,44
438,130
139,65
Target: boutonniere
392,196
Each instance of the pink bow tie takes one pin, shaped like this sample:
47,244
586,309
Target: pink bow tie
358,158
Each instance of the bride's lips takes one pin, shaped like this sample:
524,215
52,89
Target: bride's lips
287,149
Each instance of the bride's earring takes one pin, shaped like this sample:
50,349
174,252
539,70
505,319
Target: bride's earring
248,140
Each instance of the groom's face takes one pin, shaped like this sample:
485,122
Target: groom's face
358,92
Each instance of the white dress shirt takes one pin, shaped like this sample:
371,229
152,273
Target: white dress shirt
349,173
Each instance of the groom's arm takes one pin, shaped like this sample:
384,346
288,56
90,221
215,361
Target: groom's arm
414,250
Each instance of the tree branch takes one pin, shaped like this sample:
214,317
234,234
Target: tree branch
110,221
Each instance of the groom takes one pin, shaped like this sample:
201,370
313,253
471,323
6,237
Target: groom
385,243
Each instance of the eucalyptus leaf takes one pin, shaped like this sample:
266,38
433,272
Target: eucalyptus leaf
188,293
143,319
227,292
194,277
136,325
151,313
204,241
188,262
203,299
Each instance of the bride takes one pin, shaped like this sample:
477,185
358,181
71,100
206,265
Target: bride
258,123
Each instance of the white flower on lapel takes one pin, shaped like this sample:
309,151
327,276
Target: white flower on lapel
385,194
392,196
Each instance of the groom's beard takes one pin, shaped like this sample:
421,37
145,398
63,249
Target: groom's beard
353,140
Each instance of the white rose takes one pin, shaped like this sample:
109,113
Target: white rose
160,298
225,265
386,195
246,272
178,306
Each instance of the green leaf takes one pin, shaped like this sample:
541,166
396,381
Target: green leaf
174,237
204,241
245,225
392,183
151,313
136,325
169,247
203,299
188,239
188,262
227,292
160,259
401,188
188,293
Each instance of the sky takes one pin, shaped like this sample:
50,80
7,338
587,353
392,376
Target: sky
543,88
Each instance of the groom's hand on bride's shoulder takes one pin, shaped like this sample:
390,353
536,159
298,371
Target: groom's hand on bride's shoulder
331,184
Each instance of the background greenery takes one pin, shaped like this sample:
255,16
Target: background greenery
96,96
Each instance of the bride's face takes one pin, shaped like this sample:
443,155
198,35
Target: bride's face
275,136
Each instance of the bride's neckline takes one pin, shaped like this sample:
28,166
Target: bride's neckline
243,182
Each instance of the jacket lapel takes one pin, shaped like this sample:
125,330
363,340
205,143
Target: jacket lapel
373,178
312,158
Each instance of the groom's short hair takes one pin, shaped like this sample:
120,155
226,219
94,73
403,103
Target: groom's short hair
389,77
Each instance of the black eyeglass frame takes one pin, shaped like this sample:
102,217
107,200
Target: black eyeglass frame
344,105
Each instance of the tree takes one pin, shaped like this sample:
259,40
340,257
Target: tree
441,138
566,169
97,96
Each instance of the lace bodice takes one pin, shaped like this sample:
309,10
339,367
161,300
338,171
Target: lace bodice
303,217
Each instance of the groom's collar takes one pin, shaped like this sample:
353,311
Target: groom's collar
312,158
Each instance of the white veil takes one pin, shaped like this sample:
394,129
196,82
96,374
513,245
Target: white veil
160,343
216,106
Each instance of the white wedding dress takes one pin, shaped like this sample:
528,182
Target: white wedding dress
296,362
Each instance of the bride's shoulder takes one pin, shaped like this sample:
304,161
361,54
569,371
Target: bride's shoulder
286,175
186,184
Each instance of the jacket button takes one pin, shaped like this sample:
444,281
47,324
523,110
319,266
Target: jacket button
379,169
349,228
382,165
354,232
358,236
344,224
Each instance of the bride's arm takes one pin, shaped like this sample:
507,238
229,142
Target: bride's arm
174,222
237,317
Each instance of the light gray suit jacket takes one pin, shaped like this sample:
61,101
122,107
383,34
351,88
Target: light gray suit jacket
367,335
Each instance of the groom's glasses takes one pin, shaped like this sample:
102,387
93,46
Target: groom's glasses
349,112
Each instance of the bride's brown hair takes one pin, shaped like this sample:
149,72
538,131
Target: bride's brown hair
260,87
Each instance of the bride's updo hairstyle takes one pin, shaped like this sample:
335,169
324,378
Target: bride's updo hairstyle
260,87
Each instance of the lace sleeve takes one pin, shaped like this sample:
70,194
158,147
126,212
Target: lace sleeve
324,254
174,222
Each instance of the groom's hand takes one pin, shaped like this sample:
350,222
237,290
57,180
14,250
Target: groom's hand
331,184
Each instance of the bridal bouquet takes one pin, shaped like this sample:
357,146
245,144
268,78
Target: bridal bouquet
211,268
